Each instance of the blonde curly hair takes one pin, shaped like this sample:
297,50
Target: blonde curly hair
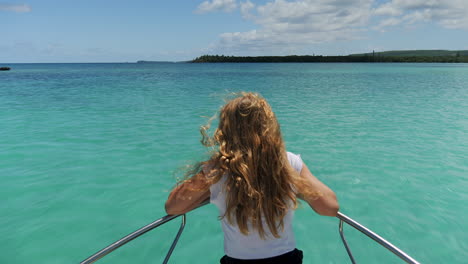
250,152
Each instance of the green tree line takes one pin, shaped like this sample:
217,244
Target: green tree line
309,58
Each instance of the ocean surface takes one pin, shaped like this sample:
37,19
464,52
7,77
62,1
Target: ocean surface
88,153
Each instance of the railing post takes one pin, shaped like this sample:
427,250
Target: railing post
374,236
346,243
176,239
101,253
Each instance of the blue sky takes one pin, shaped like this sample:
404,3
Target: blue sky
127,31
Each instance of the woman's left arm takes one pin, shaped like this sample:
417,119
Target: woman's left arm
188,195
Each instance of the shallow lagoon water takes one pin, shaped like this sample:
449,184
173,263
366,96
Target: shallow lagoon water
88,154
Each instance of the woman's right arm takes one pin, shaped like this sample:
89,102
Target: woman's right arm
326,203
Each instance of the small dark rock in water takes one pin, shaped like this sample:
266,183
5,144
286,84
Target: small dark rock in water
5,68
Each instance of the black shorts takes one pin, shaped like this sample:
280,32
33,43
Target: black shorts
292,257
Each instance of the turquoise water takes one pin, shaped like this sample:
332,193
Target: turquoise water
88,154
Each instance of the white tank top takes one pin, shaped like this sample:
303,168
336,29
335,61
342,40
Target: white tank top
252,246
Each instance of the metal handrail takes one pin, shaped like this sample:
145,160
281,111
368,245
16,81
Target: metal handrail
101,253
343,219
136,234
372,235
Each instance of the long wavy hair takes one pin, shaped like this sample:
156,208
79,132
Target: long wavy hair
250,152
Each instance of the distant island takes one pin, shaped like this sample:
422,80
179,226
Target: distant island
419,56
155,62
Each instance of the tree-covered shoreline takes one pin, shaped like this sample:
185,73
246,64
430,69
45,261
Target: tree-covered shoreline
423,56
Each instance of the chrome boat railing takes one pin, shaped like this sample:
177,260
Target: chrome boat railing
374,236
343,219
101,253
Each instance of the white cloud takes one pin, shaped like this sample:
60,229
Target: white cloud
216,5
447,13
297,24
288,25
246,8
387,9
389,22
23,8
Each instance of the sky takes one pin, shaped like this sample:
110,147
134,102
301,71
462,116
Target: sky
178,30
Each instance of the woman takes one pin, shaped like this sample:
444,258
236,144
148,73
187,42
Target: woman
254,183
